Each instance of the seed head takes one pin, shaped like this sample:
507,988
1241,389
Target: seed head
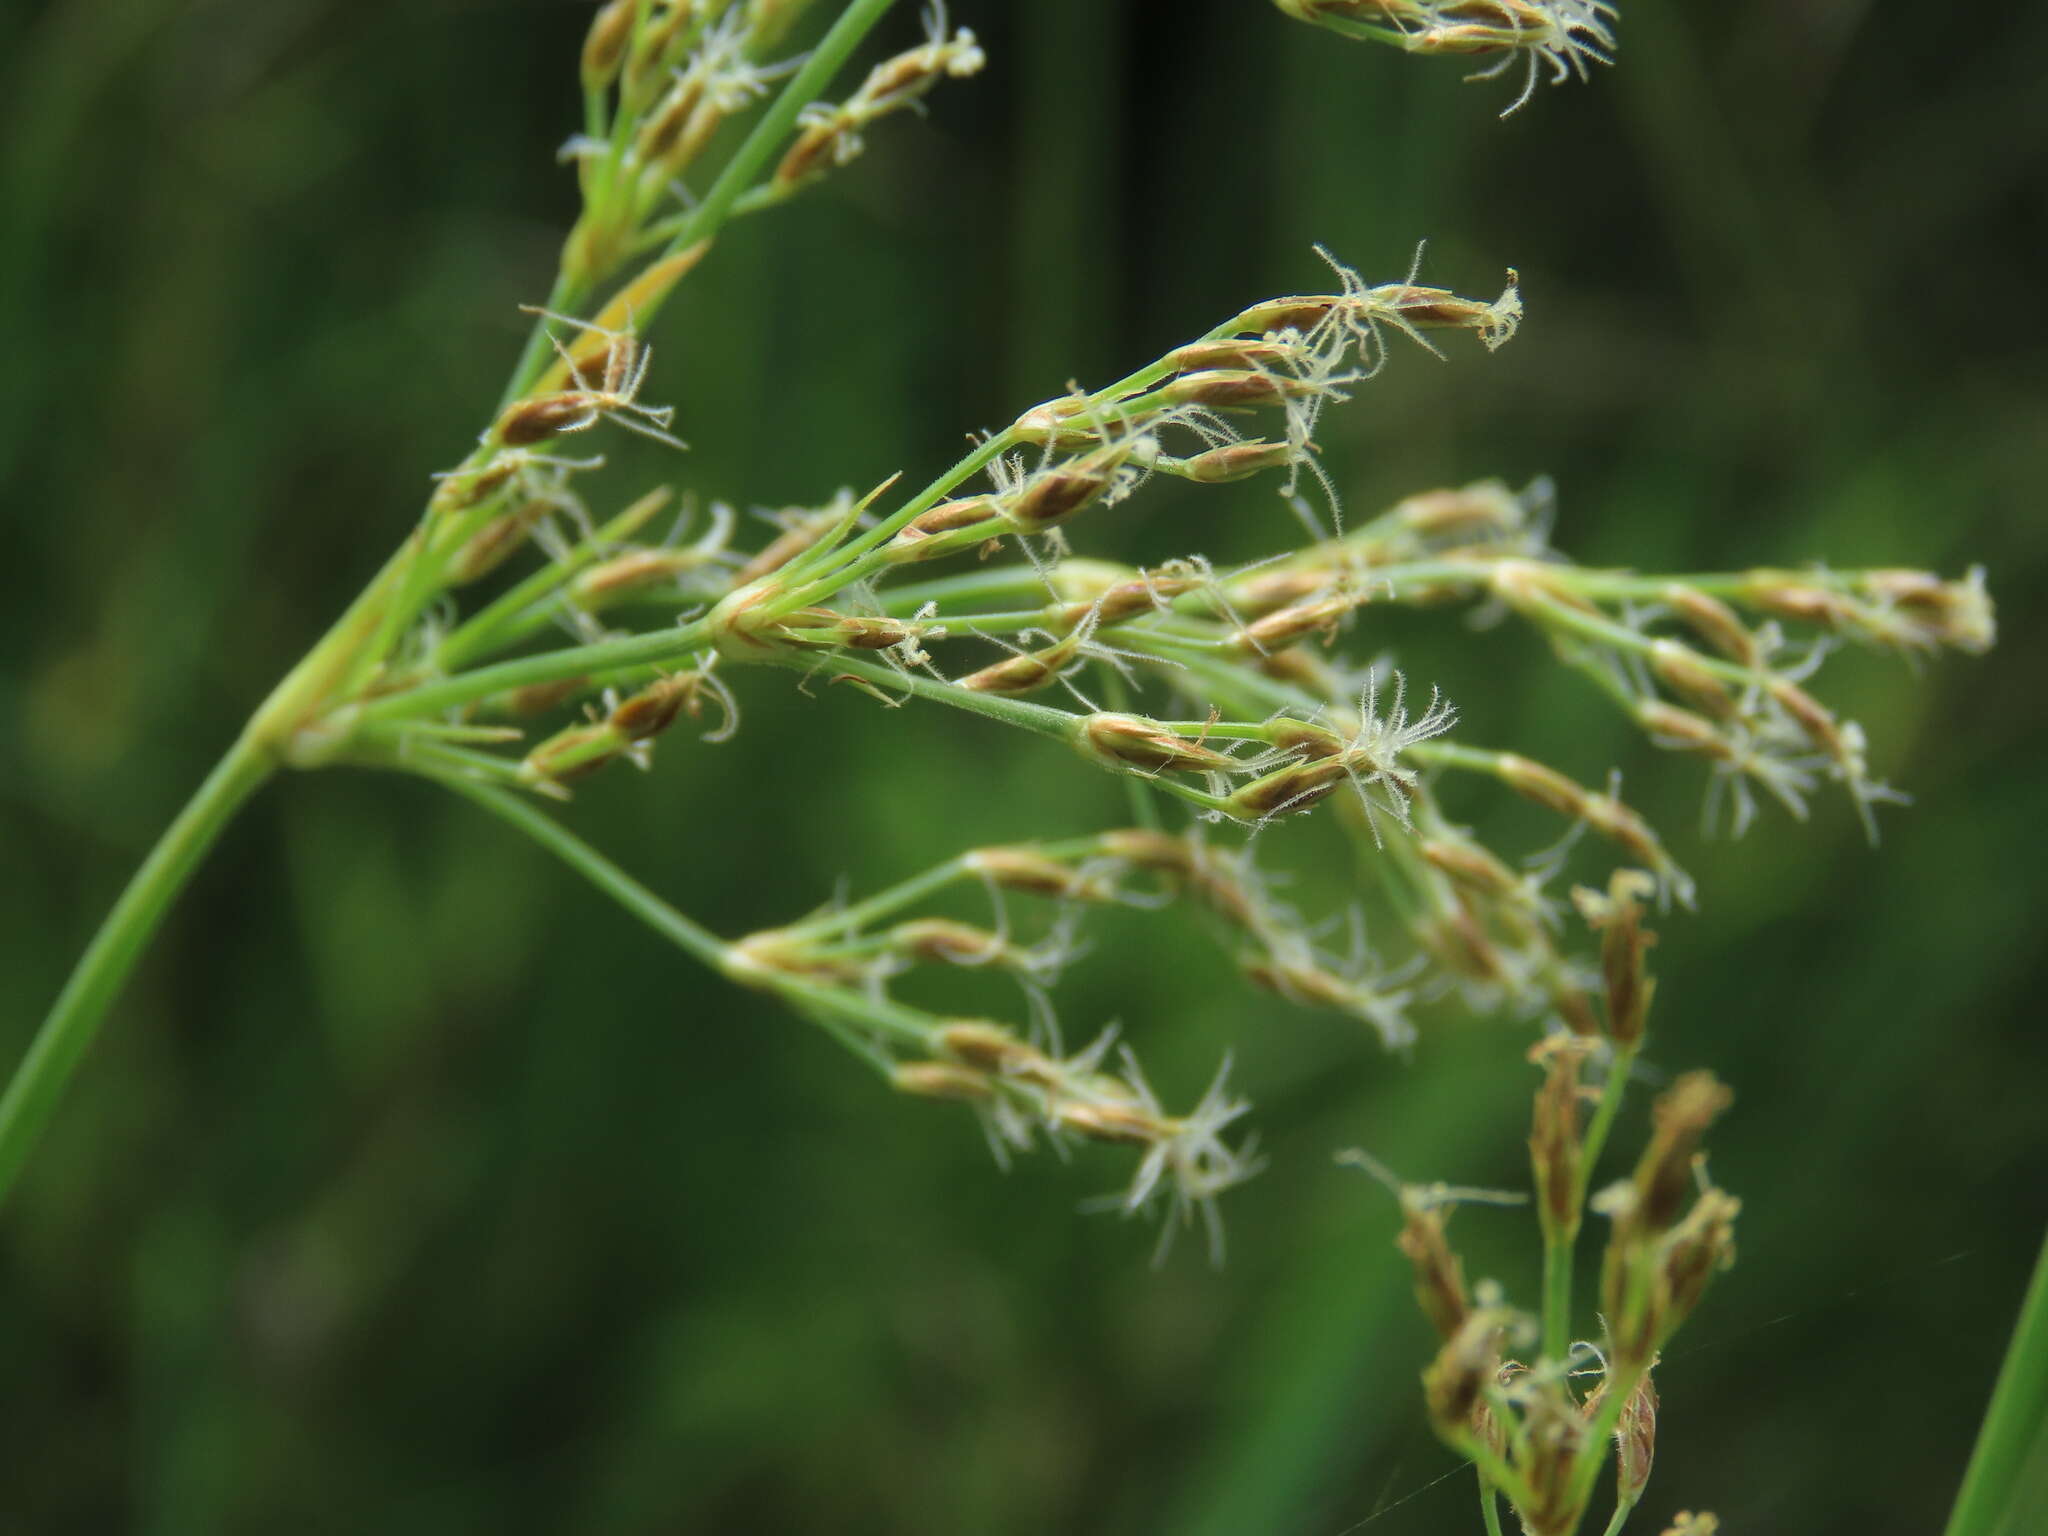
1285,791
1566,36
801,530
1237,389
1472,866
1684,672
1933,612
1635,1440
653,709
1109,593
1439,1274
1024,673
1544,785
1282,627
605,387
604,46
1556,1137
1026,869
1664,1175
1133,742
1624,943
831,136
1455,1383
1233,462
986,1047
915,541
1486,509
538,698
1236,352
1714,622
942,940
634,571
1698,1248
494,543
940,1080
572,754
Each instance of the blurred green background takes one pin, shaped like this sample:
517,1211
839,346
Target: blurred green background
412,1189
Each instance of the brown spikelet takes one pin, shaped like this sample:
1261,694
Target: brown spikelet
1714,622
1236,461
537,420
1256,355
537,698
1234,389
1556,1137
1664,1176
1027,870
940,1080
1544,785
653,709
1439,1274
1294,788
604,46
1131,741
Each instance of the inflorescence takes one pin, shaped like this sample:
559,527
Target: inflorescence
1227,700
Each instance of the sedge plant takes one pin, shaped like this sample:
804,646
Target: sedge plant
521,644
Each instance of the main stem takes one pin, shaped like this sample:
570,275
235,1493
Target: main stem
1557,1297
2015,1433
39,1081
1558,1255
1489,1506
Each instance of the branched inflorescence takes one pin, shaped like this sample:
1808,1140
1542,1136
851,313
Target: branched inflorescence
1564,36
1504,1389
1229,699
1228,693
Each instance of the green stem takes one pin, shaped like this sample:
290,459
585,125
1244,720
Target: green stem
1058,724
827,569
851,919
984,585
2015,1433
1557,1295
1621,1514
684,932
1144,809
661,645
1494,1469
1489,1506
829,1006
907,893
1041,719
1558,1253
52,1057
412,751
1603,1115
1605,631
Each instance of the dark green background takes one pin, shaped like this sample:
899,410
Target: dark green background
411,1189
